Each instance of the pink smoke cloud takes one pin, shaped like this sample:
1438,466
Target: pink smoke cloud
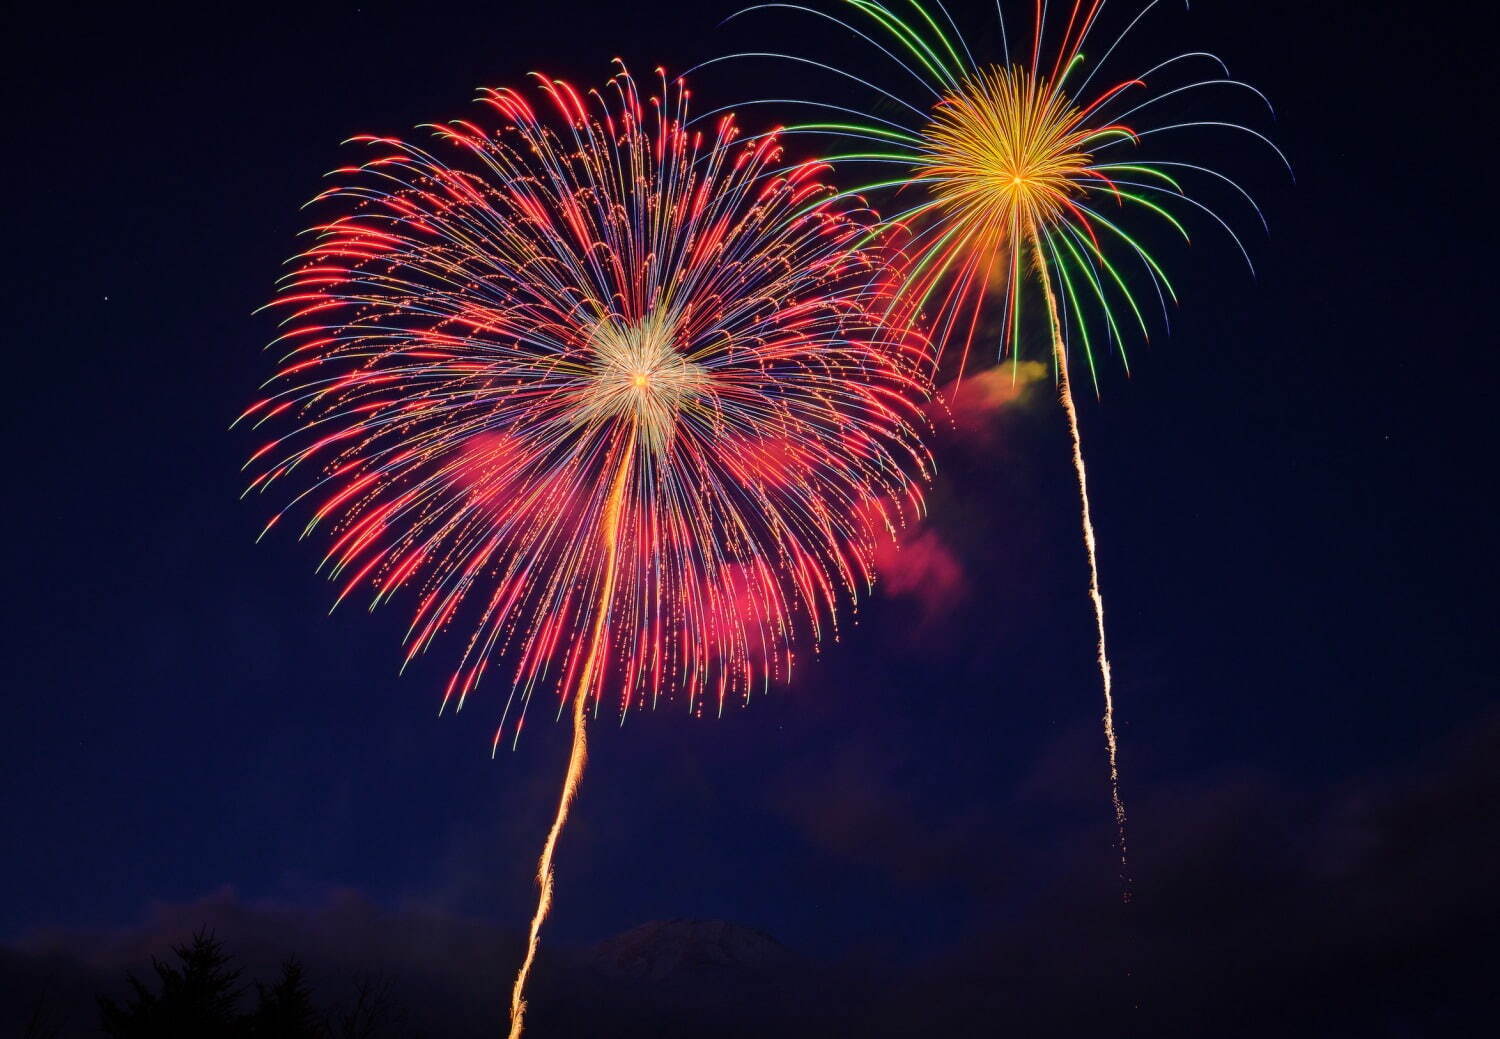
973,401
924,570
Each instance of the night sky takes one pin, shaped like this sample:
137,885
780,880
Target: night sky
1291,491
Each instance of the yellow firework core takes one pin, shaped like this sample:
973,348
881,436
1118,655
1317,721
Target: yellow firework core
1004,154
638,373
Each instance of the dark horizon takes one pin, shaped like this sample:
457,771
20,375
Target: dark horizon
1292,502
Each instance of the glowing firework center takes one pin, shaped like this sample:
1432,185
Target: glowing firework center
637,373
1005,151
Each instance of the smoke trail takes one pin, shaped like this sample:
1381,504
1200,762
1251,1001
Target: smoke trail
1065,394
578,756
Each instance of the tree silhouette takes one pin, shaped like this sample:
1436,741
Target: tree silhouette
285,1009
373,1013
197,998
45,1020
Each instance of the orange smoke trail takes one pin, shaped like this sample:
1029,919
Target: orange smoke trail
1065,394
578,756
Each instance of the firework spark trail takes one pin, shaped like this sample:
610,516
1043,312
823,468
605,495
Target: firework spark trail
578,755
1065,394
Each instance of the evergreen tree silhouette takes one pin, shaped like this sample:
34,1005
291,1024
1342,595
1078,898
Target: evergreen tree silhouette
285,1009
197,1000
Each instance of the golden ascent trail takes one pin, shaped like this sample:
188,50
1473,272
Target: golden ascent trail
578,757
1065,394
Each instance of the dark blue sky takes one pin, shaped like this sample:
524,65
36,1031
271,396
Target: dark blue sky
1291,493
